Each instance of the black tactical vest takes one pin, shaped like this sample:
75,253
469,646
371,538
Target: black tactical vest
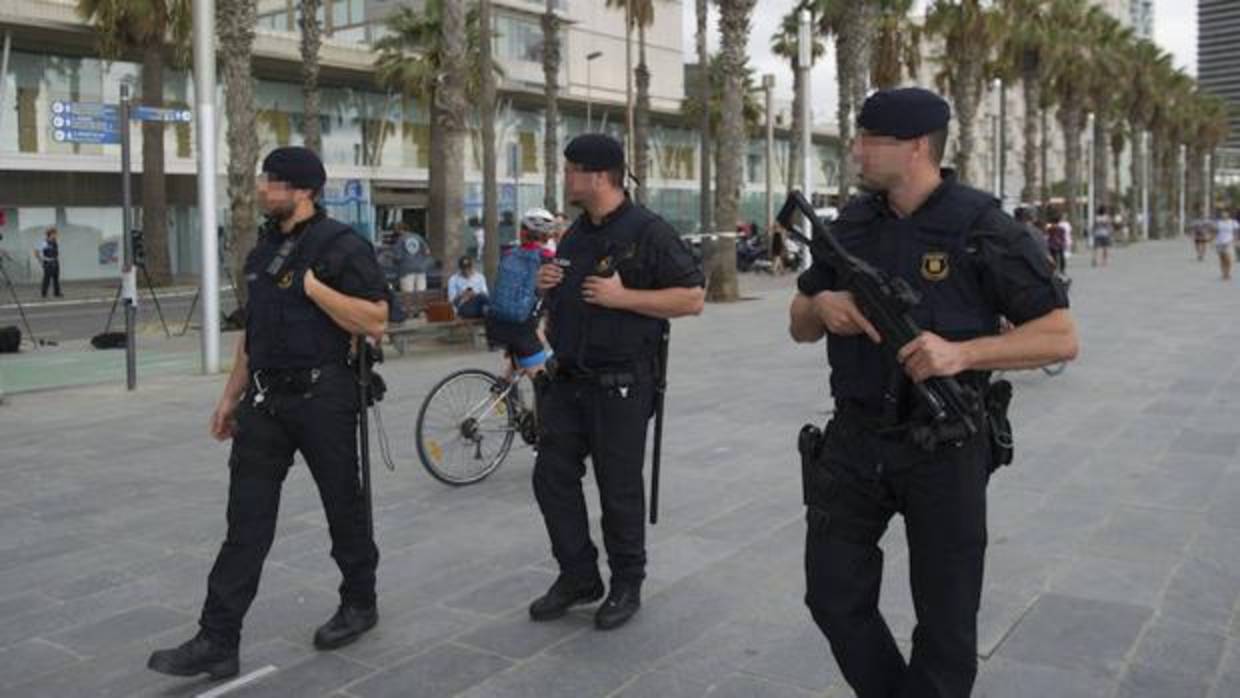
592,336
284,328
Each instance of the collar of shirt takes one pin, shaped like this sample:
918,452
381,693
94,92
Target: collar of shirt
588,225
948,176
299,228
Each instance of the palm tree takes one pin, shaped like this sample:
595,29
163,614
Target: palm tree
311,33
785,44
414,59
490,188
733,138
853,24
897,44
235,21
1207,131
1138,94
1022,50
146,28
641,16
971,33
706,201
752,114
551,123
1108,68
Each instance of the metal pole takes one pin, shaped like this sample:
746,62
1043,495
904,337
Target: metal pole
4,73
768,85
129,279
1183,184
1145,185
1002,141
628,83
1089,180
204,96
805,57
994,141
589,95
1208,187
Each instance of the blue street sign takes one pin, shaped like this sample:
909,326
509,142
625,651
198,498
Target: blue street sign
68,135
95,109
84,123
141,113
353,190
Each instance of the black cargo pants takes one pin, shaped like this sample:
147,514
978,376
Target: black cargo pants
863,481
321,423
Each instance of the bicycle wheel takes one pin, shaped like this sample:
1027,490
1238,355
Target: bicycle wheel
1055,369
465,427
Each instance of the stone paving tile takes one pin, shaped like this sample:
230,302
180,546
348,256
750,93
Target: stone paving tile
517,637
1076,634
1143,682
1177,651
443,671
663,684
505,594
31,658
321,674
1006,678
120,629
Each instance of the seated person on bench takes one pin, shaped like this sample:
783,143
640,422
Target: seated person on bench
467,290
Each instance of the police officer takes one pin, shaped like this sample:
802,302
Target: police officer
620,273
972,264
313,285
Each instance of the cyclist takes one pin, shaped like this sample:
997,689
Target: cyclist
512,318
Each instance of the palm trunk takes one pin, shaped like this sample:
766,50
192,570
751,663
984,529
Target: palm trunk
447,185
1101,185
846,60
311,39
1070,119
966,92
706,203
1029,165
641,132
235,19
154,188
551,123
1043,146
796,158
490,185
1134,195
734,28
1193,182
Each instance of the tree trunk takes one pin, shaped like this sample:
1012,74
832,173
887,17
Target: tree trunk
311,39
707,203
796,159
490,184
1196,161
846,59
551,122
641,132
447,195
1101,151
1134,195
1030,163
154,188
966,91
734,26
235,20
1043,146
1071,120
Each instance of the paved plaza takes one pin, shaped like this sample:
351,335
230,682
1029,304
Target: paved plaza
1113,567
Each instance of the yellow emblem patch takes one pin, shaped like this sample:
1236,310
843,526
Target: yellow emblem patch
286,280
934,266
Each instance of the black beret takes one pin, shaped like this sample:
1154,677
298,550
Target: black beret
595,152
298,167
904,113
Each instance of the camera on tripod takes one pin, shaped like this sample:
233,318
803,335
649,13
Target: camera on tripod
137,247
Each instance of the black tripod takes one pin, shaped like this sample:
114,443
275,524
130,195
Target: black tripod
4,257
150,288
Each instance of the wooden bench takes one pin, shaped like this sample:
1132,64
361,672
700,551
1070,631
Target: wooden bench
440,323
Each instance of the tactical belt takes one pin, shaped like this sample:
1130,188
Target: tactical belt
641,371
280,381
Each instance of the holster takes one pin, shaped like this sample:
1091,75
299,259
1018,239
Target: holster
815,480
997,399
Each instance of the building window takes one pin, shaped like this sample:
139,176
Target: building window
518,39
529,152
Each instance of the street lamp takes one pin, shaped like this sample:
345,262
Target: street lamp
589,59
768,85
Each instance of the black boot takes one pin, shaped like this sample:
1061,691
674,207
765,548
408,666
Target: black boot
346,626
621,604
197,656
565,593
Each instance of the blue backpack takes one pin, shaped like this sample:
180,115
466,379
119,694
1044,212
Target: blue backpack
515,294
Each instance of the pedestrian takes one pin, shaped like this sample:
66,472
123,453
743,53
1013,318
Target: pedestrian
777,249
880,454
1103,233
414,259
1203,232
1024,216
313,286
48,254
621,273
1225,229
1057,240
467,290
479,234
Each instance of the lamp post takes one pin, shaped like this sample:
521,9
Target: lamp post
768,86
589,101
1089,179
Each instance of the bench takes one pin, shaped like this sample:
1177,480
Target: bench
440,322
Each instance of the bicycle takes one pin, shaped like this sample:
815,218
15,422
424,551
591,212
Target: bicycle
467,424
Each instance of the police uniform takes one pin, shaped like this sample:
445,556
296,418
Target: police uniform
602,391
302,397
971,264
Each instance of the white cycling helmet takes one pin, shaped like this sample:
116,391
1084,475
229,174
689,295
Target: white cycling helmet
538,220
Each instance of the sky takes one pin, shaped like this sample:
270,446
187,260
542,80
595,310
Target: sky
1175,30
